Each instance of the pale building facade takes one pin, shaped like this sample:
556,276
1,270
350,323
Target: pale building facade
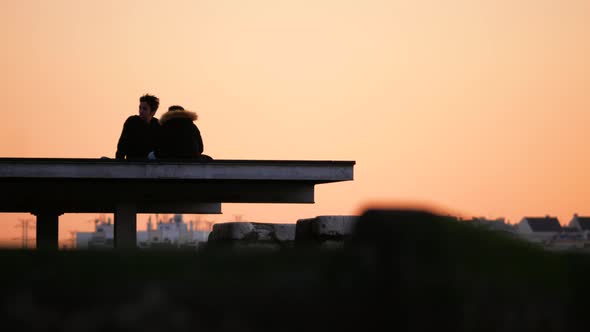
174,233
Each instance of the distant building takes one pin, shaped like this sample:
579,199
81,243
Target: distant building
569,238
580,223
539,229
174,233
102,237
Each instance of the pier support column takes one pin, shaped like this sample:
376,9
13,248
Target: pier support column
47,230
125,226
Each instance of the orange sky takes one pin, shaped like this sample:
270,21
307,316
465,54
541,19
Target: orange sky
479,108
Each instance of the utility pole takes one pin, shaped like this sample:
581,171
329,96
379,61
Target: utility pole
25,226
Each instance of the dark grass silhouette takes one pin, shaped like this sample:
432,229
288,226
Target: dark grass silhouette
402,270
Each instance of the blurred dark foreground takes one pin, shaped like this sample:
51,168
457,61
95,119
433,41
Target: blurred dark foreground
401,270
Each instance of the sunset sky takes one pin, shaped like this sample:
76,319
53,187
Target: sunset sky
475,108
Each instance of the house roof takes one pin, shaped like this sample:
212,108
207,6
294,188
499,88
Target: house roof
584,223
547,224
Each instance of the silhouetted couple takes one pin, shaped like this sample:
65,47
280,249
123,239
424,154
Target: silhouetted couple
174,136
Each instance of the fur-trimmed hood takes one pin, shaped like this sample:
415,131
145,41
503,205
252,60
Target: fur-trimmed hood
178,115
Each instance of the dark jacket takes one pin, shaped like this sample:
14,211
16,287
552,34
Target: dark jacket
179,137
138,138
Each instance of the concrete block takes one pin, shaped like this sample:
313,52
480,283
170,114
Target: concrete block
332,244
231,231
329,231
258,245
304,230
253,232
284,232
334,226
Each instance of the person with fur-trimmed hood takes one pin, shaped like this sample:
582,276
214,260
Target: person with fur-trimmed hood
140,131
179,137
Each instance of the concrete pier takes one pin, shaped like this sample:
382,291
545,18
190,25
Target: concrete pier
47,229
126,188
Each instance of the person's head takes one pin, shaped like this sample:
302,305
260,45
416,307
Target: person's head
148,105
175,108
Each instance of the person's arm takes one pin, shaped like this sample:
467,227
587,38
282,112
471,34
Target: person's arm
122,145
198,140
